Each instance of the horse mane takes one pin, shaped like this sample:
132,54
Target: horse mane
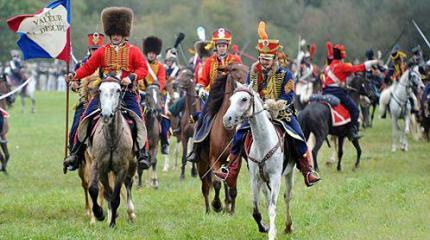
217,93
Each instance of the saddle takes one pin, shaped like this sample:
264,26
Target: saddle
248,140
339,114
89,124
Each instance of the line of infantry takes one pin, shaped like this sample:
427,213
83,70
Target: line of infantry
138,69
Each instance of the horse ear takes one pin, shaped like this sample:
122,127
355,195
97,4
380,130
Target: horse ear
237,84
250,85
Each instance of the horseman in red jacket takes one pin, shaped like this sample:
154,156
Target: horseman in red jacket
335,79
213,67
120,58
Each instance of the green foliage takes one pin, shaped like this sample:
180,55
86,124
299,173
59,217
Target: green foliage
387,198
360,24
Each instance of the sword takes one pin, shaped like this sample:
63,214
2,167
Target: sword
421,33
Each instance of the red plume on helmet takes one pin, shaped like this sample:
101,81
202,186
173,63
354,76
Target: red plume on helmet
312,50
329,48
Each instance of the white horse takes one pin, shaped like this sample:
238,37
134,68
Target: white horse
396,98
266,156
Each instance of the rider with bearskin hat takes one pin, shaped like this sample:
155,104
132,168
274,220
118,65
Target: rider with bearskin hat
213,67
335,75
157,75
118,58
272,81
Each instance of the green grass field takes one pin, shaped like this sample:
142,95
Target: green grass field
387,198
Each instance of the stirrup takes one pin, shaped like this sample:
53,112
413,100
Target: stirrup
317,175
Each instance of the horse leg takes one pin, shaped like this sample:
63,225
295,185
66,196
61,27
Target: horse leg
332,159
116,196
205,192
193,165
318,143
22,103
395,128
340,152
130,206
94,193
272,199
255,188
233,194
356,144
139,177
154,179
406,131
3,165
373,114
216,203
6,153
287,197
184,158
176,155
108,192
166,163
33,104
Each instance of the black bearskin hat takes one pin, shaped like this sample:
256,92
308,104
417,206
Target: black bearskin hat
200,47
117,20
152,44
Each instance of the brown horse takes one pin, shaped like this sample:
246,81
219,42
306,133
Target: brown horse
192,105
214,151
152,109
4,157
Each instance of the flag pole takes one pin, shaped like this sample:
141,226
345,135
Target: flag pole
67,112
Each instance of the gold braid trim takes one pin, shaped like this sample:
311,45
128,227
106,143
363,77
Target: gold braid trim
213,74
116,61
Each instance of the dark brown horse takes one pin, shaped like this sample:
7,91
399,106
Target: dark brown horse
214,151
152,110
4,157
192,105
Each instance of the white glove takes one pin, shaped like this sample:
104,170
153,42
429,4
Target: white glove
370,63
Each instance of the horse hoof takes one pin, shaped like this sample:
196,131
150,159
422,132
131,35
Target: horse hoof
339,169
288,229
263,228
98,213
193,173
217,206
112,224
132,217
182,177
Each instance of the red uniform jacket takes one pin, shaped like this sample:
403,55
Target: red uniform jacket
336,73
129,59
211,66
160,71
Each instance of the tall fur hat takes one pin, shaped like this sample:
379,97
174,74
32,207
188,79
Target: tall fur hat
152,44
202,51
117,20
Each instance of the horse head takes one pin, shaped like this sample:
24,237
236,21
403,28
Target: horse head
110,92
415,81
243,104
153,98
237,72
185,79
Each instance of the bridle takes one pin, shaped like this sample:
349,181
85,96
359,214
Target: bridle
251,108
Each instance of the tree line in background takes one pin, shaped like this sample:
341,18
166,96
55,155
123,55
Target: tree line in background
358,24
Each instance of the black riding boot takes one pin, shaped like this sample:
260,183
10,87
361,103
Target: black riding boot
353,133
143,158
71,162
